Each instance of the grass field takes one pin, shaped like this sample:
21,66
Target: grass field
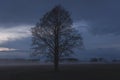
67,72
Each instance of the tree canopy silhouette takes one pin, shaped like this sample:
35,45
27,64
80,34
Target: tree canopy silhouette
55,36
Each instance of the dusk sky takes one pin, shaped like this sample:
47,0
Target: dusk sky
97,21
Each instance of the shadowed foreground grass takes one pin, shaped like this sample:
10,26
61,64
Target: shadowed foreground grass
67,72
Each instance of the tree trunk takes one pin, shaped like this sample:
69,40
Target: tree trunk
56,49
56,63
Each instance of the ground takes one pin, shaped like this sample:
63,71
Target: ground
66,72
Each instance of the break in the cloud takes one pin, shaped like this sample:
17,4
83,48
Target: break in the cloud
82,26
6,49
14,33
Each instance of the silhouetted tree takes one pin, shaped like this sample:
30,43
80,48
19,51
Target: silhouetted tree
54,35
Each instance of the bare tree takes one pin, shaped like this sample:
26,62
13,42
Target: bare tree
55,36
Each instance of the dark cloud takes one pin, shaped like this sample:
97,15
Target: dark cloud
22,11
103,14
104,17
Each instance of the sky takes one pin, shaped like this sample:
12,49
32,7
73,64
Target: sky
97,21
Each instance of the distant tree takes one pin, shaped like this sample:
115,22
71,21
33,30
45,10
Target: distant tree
114,60
101,59
93,60
55,36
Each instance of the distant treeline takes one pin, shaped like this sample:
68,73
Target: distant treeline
19,59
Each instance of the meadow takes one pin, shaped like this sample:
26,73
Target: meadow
68,71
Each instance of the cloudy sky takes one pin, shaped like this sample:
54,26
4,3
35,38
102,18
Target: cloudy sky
97,20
